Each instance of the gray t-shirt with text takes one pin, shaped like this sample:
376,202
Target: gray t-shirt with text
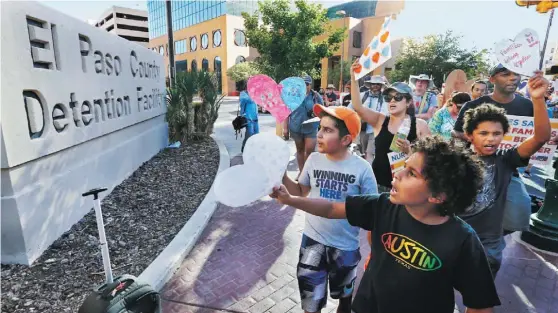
334,181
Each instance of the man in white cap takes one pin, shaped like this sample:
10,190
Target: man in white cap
372,98
425,102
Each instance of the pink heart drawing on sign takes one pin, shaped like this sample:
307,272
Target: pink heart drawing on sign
520,55
267,94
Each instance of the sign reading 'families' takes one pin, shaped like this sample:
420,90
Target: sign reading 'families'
376,53
520,55
521,128
396,161
67,84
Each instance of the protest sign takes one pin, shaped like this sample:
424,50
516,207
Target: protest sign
376,53
520,55
456,81
396,161
521,128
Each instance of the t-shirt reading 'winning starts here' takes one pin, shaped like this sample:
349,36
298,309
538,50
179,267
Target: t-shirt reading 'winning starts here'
334,181
416,267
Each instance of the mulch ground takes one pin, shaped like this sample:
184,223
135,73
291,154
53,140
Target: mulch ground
142,215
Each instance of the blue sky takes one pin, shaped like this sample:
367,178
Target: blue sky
480,22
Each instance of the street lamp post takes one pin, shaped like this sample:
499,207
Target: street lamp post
170,49
546,39
342,14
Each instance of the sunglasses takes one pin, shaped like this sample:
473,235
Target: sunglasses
398,97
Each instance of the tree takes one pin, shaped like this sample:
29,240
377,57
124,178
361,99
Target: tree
242,71
333,74
438,55
285,38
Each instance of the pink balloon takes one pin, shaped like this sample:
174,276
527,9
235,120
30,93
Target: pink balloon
267,94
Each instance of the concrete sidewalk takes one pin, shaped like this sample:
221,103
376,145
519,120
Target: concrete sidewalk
246,258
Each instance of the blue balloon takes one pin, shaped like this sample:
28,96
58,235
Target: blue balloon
293,92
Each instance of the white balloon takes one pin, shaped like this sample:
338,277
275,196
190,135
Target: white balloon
241,185
272,153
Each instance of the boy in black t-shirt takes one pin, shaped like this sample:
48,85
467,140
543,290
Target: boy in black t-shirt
485,127
422,251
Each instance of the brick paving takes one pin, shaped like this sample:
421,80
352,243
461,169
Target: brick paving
246,259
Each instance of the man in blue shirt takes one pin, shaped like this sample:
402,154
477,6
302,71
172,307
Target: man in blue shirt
304,135
249,109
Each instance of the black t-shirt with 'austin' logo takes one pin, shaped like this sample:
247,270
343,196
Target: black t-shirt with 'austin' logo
415,267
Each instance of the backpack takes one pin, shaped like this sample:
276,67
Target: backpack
124,295
239,123
315,96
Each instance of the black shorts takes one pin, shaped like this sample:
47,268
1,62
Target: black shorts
319,265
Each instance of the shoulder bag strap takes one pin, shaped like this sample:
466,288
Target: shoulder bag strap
423,102
379,103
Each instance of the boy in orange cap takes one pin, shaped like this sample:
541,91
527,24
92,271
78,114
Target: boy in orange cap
329,251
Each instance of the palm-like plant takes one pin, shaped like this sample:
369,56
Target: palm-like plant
211,101
176,115
189,120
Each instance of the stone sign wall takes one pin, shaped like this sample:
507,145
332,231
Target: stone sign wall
80,108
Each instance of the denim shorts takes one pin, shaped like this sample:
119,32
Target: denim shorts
301,136
319,265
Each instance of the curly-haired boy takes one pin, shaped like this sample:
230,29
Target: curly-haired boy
485,127
422,250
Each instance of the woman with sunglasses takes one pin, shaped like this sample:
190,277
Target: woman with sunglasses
444,119
399,97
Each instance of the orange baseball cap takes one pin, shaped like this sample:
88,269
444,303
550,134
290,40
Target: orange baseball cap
348,116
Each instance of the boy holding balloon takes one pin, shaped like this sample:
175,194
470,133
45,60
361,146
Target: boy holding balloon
329,251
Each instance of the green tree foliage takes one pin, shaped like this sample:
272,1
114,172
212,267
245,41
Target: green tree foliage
437,55
242,71
284,38
333,74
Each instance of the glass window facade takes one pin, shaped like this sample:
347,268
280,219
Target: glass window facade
193,43
204,41
157,18
205,65
239,38
180,47
357,39
181,66
188,13
356,9
240,59
217,38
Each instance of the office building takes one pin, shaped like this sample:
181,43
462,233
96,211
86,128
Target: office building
210,35
130,24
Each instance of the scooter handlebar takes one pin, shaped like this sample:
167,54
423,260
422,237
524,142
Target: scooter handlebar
95,192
